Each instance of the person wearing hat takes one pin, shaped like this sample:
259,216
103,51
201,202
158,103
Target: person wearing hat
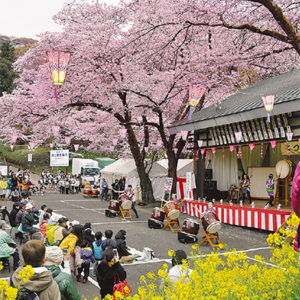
178,270
270,189
61,231
66,285
8,246
29,219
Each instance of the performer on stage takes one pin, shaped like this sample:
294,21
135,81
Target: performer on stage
270,189
129,192
246,187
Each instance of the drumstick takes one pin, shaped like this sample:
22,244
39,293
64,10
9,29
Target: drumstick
201,214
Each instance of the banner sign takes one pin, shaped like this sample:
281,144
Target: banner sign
293,148
195,94
59,158
4,170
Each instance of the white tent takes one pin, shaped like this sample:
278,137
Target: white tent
127,168
183,166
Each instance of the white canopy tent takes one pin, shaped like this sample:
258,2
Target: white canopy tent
127,168
183,166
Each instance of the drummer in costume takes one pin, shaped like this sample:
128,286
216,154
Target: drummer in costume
246,187
129,192
270,189
210,210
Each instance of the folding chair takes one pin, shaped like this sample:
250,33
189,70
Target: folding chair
208,237
125,213
170,223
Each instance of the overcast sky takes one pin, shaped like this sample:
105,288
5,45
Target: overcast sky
26,18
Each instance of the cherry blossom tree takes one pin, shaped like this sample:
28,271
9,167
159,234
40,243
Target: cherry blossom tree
131,66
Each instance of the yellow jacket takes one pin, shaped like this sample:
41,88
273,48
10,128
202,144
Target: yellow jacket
50,229
3,184
69,242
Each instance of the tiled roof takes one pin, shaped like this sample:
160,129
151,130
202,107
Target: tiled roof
285,87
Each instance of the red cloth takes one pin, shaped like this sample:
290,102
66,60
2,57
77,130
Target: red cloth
43,228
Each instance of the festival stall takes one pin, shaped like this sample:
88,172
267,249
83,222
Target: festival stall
255,132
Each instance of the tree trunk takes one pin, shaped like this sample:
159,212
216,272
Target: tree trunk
172,168
145,182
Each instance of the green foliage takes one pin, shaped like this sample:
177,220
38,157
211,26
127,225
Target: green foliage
7,73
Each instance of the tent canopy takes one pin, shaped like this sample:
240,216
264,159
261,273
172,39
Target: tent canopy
104,161
184,165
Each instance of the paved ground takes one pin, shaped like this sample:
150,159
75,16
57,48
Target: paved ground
140,236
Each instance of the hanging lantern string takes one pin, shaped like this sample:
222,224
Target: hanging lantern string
56,96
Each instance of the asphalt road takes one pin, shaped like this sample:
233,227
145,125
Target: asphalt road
139,235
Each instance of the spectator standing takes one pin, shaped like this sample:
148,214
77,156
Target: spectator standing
109,272
43,225
7,245
104,189
3,187
54,257
88,235
115,189
41,282
97,250
86,254
8,189
129,192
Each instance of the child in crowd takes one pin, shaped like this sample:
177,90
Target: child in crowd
88,235
86,254
97,250
15,195
43,225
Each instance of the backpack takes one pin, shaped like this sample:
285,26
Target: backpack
28,295
97,251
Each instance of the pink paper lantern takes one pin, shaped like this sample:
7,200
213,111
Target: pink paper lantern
202,151
51,145
55,130
11,147
200,143
115,141
231,148
111,148
184,134
76,147
273,144
238,136
123,132
175,150
289,136
251,146
223,152
146,149
68,139
14,137
214,150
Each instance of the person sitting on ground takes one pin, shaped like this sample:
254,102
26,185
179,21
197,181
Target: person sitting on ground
179,270
41,212
38,236
88,235
29,219
41,283
109,272
7,245
53,258
72,243
43,225
50,229
124,255
108,243
49,211
15,195
19,215
97,250
13,214
86,254
61,231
